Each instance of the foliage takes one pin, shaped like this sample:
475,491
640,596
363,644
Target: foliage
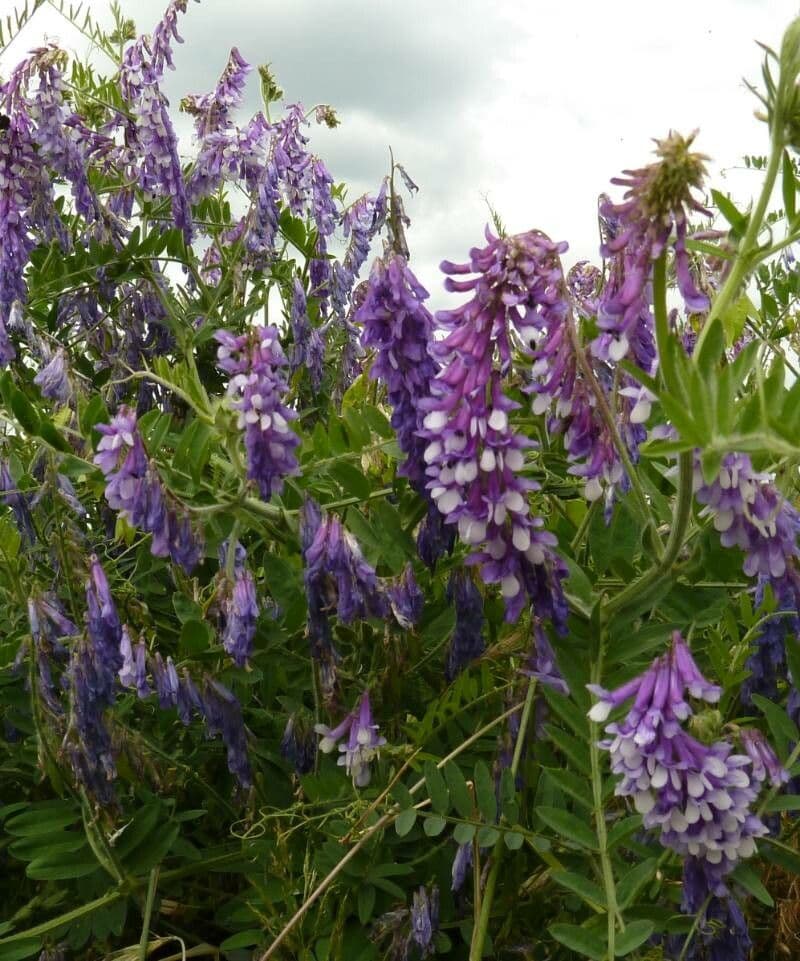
234,462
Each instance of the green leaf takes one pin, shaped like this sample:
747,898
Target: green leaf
712,349
366,902
405,821
634,935
780,724
62,866
196,637
630,885
780,854
148,856
585,943
17,950
459,792
43,819
727,208
568,826
514,841
577,751
567,710
579,884
243,939
786,802
437,788
623,829
573,785
433,826
751,882
484,792
464,833
488,837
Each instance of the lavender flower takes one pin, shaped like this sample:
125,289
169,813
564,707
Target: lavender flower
764,760
239,611
298,746
166,681
406,599
398,325
362,744
698,796
143,64
53,379
467,641
48,625
474,457
722,934
223,716
12,497
462,862
133,673
257,387
659,198
212,111
308,345
133,487
424,921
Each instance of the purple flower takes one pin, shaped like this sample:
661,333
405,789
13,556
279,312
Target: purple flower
424,920
308,345
223,716
467,641
765,761
722,934
658,199
406,599
134,488
462,862
698,796
12,497
399,327
133,672
48,625
165,680
362,743
239,613
212,111
298,746
154,138
257,386
53,379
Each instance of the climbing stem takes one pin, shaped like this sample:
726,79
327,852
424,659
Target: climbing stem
654,576
147,914
482,923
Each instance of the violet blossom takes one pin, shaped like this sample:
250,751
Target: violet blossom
406,599
424,921
134,488
467,642
361,742
474,456
239,610
699,797
133,672
212,111
255,361
298,746
53,379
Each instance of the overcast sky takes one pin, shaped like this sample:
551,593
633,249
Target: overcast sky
531,105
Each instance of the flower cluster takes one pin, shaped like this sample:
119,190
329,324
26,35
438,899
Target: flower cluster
467,641
698,796
360,741
133,487
153,136
424,921
49,625
474,456
750,513
94,664
13,497
212,111
238,606
255,361
298,746
659,199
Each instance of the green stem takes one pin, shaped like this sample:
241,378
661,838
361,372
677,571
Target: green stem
63,919
660,306
607,870
611,424
693,930
148,913
745,255
482,926
654,576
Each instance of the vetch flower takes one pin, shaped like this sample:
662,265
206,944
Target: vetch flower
361,741
53,379
238,610
257,387
467,642
765,760
424,920
223,716
406,599
298,746
212,111
133,672
699,797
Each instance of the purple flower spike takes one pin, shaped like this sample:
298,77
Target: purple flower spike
223,716
362,744
239,613
257,386
462,862
474,457
424,921
699,796
212,111
467,641
298,746
133,672
53,379
134,488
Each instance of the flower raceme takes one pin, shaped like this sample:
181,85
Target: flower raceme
134,488
474,456
698,796
255,361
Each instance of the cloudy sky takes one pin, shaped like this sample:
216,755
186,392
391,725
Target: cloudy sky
531,105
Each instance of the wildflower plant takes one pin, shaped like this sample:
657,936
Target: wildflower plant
336,626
